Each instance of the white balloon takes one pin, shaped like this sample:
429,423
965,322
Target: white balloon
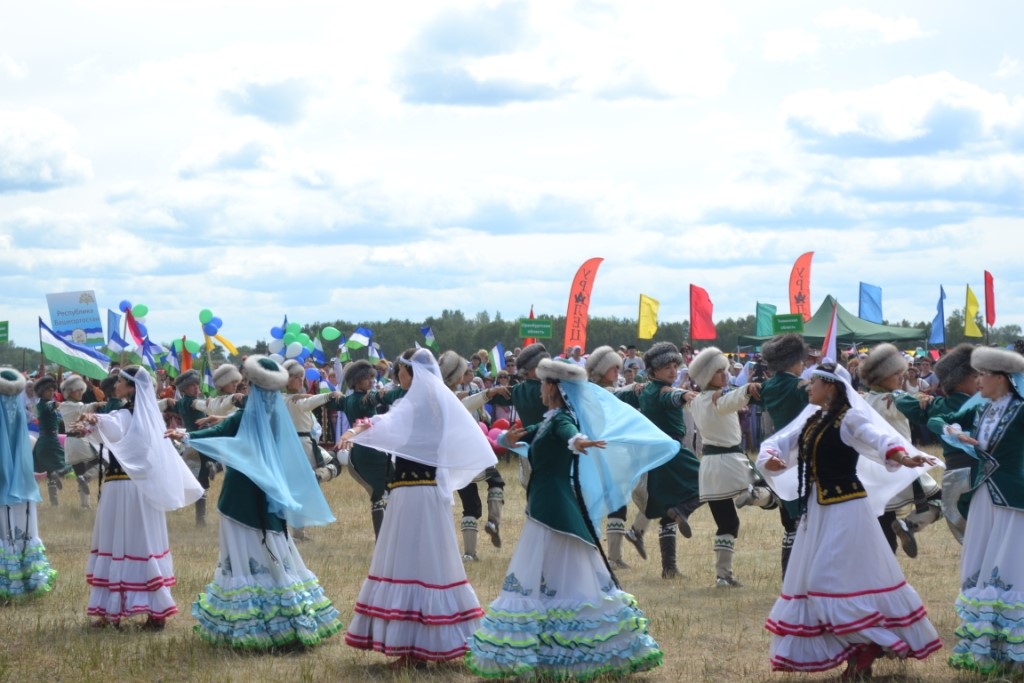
294,349
275,346
276,357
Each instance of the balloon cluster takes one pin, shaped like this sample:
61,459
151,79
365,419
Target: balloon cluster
211,328
290,342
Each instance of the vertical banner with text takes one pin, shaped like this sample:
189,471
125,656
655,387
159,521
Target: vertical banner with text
579,305
800,286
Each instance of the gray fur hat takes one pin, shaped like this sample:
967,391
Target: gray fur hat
531,356
662,354
43,383
452,366
783,351
987,359
72,383
12,382
954,367
295,368
186,378
226,374
358,371
559,370
265,373
705,364
601,360
884,360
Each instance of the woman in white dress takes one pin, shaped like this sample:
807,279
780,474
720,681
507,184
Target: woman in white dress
416,603
844,597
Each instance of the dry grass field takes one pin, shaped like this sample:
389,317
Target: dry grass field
707,634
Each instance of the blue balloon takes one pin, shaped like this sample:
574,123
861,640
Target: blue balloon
216,322
125,305
210,329
277,333
302,356
312,375
142,329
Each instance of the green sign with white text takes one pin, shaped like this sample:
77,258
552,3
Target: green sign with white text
538,329
3,331
787,322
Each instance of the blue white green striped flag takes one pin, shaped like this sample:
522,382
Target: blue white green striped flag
78,358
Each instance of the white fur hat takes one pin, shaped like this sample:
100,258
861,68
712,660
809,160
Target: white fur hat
661,354
452,366
601,360
988,359
706,363
884,360
559,370
294,368
265,373
12,382
72,383
226,374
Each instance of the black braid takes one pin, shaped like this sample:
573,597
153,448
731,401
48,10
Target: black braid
586,517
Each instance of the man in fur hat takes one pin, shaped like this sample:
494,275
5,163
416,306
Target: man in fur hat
784,396
882,372
48,454
526,401
958,381
725,471
673,489
454,368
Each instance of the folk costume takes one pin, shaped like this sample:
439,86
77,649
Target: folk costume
262,596
991,601
81,453
673,489
882,362
560,613
130,568
842,465
300,408
452,367
48,453
529,409
190,409
24,568
416,601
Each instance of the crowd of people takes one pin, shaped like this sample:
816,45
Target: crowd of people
670,429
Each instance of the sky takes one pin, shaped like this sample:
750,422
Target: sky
368,161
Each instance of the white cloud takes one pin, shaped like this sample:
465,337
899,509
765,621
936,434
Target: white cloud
788,44
36,152
11,68
1008,67
888,29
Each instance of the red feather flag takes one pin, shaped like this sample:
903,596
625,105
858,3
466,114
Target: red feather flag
990,300
701,310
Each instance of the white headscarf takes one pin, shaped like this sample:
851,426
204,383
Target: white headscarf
150,461
880,483
432,427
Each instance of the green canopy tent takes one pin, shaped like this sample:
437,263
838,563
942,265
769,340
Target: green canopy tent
852,330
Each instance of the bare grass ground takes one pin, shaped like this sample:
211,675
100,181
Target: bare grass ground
707,634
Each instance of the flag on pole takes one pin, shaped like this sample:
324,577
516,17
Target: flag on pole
828,347
186,357
938,335
343,354
428,334
870,304
971,328
173,363
318,352
147,348
79,358
701,311
208,387
134,329
374,353
765,312
800,286
497,359
113,325
530,340
648,318
990,300
359,339
115,343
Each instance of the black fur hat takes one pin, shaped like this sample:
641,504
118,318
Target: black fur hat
784,351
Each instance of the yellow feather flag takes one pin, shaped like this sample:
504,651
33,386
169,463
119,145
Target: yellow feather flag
971,328
648,317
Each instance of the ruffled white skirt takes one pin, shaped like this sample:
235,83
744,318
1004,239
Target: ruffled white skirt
24,568
844,590
416,600
130,568
559,615
262,595
991,600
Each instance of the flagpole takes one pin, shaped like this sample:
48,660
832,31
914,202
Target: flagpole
124,331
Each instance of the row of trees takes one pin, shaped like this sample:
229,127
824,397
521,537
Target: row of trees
454,330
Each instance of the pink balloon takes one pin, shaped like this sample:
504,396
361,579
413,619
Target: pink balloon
492,437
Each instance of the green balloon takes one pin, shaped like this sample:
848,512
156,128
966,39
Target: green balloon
330,333
205,316
192,346
176,344
289,337
304,340
140,310
294,328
